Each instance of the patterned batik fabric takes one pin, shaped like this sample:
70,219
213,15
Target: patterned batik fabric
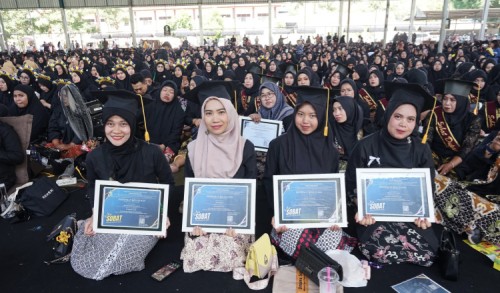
215,252
261,163
464,211
99,256
392,243
292,240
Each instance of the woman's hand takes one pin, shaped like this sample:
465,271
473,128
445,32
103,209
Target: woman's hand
196,122
88,230
279,229
422,223
231,233
164,236
366,221
445,168
255,117
197,231
335,228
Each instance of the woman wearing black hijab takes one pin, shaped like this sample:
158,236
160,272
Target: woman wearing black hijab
333,82
250,101
123,158
435,73
306,148
83,85
347,123
27,77
396,145
122,80
165,118
454,129
348,88
11,152
375,85
360,75
26,102
241,70
47,90
7,85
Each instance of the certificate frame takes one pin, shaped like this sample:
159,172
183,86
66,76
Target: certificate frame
336,214
260,143
145,202
208,200
415,184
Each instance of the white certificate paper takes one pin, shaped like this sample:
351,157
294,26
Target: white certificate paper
262,133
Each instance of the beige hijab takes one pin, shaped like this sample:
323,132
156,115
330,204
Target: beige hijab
217,156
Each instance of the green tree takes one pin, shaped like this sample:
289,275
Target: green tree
115,17
214,23
183,21
467,4
495,4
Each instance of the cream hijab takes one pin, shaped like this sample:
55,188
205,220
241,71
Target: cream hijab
217,156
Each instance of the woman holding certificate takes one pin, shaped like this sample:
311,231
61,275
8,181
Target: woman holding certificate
396,145
123,158
219,151
306,148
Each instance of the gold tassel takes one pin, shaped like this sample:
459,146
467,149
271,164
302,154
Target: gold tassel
146,133
476,109
325,130
424,138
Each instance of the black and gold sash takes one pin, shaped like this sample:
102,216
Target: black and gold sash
473,99
383,103
244,101
444,131
257,103
291,99
368,99
492,114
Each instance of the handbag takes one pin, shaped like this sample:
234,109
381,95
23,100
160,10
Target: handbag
261,262
448,255
312,259
62,234
42,197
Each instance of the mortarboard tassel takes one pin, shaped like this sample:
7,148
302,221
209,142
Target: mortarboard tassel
325,131
476,108
146,133
424,138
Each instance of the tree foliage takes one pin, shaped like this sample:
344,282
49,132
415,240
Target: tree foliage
467,4
182,21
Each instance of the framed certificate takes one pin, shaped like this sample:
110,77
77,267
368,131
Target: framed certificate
310,201
218,204
395,195
130,208
260,134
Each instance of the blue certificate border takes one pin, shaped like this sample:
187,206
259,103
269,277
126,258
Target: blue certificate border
192,184
426,204
161,191
341,205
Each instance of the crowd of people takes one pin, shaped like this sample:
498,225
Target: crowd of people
343,107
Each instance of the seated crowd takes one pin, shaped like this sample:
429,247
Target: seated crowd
343,107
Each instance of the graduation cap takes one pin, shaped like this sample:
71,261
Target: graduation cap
343,69
124,100
318,96
412,93
273,79
288,67
254,68
457,87
214,88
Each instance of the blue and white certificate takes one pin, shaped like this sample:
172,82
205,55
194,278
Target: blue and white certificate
131,208
218,204
310,201
399,195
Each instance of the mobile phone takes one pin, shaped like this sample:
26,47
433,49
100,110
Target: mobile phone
166,271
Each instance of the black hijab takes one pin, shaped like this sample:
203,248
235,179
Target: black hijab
346,133
6,97
254,90
376,92
306,154
159,115
123,84
40,113
125,159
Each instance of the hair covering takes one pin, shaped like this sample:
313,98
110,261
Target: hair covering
306,154
346,133
280,109
217,156
40,113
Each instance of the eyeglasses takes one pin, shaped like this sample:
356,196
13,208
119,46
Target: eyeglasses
269,95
